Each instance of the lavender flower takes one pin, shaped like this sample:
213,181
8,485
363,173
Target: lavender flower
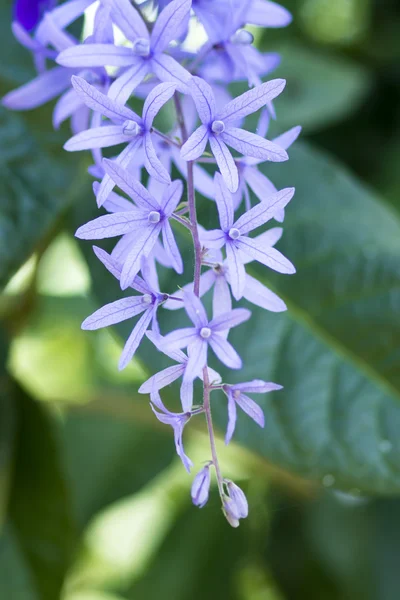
147,54
201,487
236,396
233,235
235,504
128,128
205,333
218,130
177,422
29,12
147,221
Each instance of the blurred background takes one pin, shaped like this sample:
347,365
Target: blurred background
94,504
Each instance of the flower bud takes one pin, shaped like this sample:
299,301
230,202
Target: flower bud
201,487
235,506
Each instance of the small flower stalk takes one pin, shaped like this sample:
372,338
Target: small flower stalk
144,204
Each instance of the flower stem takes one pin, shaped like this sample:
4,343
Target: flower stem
198,257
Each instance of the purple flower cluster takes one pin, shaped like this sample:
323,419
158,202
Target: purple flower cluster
125,53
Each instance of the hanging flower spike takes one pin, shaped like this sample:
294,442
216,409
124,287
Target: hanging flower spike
147,55
236,396
177,422
234,236
128,128
217,128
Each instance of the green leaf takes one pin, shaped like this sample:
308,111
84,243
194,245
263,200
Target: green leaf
322,88
40,513
336,350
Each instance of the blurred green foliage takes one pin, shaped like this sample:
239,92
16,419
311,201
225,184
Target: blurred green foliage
94,504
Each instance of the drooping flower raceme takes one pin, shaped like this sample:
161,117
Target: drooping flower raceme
157,66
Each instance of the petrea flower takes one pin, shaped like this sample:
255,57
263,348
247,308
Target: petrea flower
147,220
234,235
217,128
217,277
205,333
236,396
127,308
177,422
201,487
128,128
250,176
235,504
171,374
147,54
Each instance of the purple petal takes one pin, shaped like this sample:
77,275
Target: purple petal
123,160
153,165
197,353
142,247
225,163
196,144
232,416
251,408
168,25
155,101
268,238
268,14
67,104
239,500
224,201
128,184
225,352
236,271
259,183
167,68
115,203
162,379
115,312
134,339
98,137
285,140
176,355
251,144
195,309
204,100
111,225
102,103
265,255
180,338
251,101
231,319
264,211
186,394
201,487
256,293
222,302
203,182
128,19
40,90
96,55
256,386
121,89
67,13
171,248
207,280
172,196
213,239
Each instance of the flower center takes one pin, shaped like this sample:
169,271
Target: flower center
141,47
154,216
131,128
234,233
218,127
242,37
236,394
147,299
205,333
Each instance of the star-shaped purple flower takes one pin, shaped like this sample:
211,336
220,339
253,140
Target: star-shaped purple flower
148,219
147,303
147,54
177,422
205,333
128,128
233,235
218,130
237,397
